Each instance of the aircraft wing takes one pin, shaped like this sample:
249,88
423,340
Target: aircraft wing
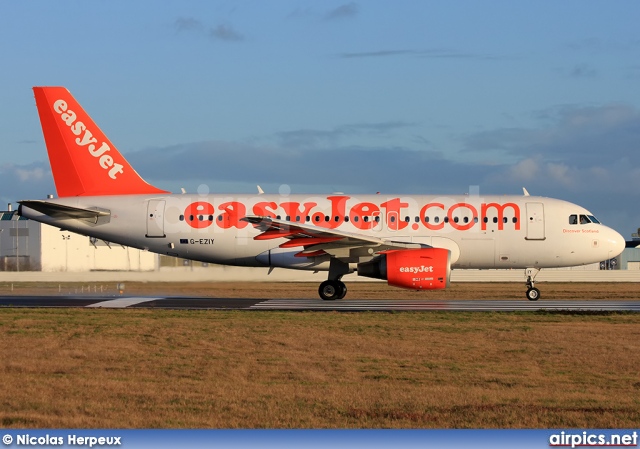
316,241
61,212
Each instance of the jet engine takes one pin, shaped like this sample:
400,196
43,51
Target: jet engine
416,269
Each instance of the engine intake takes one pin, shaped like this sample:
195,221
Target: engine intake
416,269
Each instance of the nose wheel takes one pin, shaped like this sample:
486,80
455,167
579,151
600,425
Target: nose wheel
533,294
332,289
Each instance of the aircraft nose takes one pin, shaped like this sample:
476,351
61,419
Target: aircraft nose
614,243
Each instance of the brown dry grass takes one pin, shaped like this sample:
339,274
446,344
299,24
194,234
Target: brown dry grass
357,290
230,369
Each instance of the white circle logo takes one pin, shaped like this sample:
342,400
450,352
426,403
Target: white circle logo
7,439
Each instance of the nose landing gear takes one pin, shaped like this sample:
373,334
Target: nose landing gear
533,294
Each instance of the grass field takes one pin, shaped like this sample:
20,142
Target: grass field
232,369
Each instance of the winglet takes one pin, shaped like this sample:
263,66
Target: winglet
83,161
526,193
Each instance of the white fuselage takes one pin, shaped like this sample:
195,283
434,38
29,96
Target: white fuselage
480,232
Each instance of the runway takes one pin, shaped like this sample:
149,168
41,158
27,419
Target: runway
162,302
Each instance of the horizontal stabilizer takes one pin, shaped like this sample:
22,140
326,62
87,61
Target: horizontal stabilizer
61,212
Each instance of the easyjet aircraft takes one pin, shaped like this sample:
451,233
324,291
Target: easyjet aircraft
410,241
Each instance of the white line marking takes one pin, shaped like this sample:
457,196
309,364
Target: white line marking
121,303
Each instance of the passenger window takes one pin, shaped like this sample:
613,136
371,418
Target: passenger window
495,219
436,220
366,219
504,219
515,219
407,219
573,219
393,219
377,218
181,217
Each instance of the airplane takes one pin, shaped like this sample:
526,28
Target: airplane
411,241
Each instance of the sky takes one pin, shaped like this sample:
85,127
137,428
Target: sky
422,97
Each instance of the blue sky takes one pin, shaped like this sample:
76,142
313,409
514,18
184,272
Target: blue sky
364,96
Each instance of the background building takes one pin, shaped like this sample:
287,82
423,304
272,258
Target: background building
27,245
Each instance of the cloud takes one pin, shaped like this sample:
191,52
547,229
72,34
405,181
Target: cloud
583,71
429,53
582,136
345,11
187,24
598,46
30,174
221,32
19,182
365,169
312,138
225,33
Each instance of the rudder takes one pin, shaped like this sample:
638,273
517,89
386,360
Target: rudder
83,161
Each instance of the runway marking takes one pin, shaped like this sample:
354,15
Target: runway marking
167,302
121,303
417,305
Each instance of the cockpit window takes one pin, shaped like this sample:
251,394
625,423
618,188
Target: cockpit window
583,219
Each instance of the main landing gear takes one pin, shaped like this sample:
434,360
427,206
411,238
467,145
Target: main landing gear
330,290
533,294
334,288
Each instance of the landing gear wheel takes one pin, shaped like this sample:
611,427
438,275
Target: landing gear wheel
533,294
331,290
343,293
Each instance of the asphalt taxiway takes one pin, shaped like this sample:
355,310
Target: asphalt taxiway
176,302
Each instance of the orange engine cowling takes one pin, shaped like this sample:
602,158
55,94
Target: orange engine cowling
417,269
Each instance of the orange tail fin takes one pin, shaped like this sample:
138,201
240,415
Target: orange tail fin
83,161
